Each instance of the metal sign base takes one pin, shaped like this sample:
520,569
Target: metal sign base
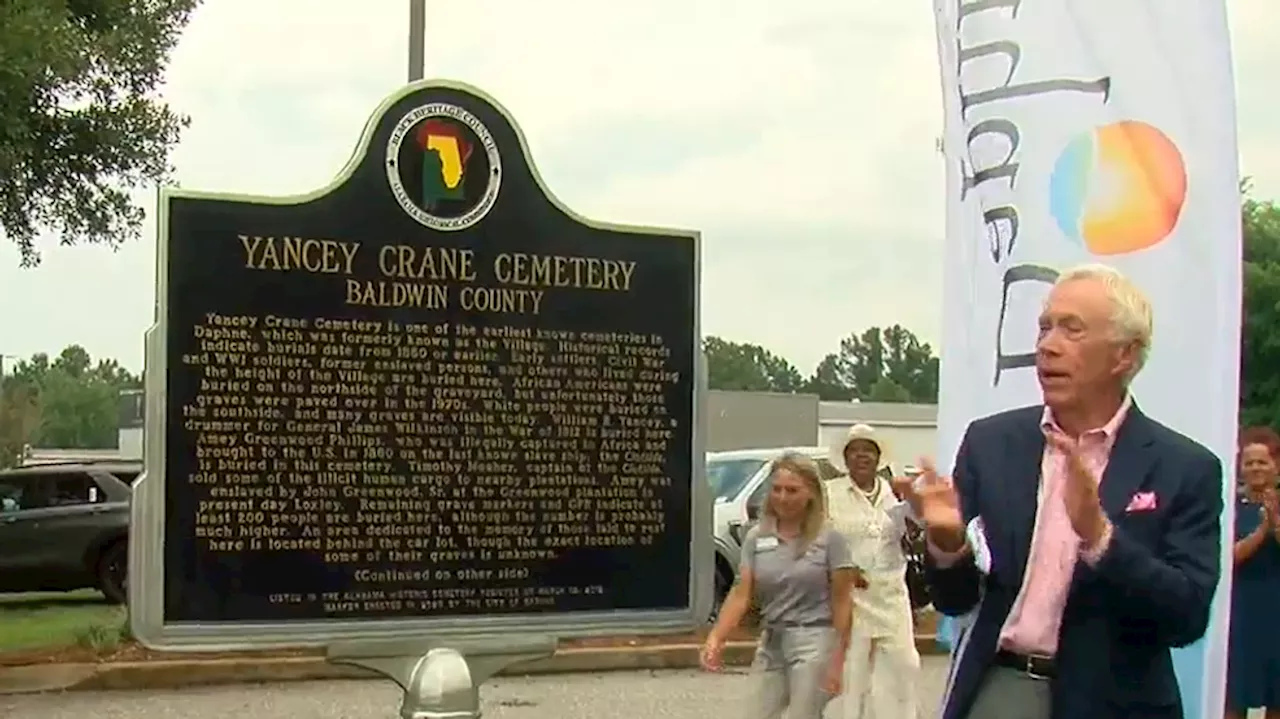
441,677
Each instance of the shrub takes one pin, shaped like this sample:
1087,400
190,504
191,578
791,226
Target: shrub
106,636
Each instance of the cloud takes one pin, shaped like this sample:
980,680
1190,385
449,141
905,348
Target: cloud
798,138
1257,56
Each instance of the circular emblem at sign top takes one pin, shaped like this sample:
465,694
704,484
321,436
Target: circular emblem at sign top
443,166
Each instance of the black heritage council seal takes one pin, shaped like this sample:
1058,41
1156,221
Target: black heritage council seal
443,166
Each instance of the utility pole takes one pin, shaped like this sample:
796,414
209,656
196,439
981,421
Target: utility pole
417,39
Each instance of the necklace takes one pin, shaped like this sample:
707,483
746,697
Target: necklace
873,494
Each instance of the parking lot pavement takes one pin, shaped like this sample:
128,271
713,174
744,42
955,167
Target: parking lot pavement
667,694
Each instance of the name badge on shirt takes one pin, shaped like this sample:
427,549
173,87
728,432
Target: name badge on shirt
764,544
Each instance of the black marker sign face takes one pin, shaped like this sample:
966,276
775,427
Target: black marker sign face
428,392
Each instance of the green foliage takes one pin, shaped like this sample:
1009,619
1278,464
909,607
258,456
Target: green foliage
105,636
878,365
77,400
894,354
886,390
1260,335
19,420
748,368
826,381
80,121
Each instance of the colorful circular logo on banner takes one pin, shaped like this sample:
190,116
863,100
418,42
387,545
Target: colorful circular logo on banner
1118,188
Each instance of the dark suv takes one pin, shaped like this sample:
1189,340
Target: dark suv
65,527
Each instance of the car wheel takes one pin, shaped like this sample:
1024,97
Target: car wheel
113,572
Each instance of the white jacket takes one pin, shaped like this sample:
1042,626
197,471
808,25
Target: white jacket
874,532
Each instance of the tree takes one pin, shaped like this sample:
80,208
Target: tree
826,381
1260,334
19,419
80,123
910,364
748,368
861,361
892,353
886,390
78,401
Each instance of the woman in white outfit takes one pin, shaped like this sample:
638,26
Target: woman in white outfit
883,665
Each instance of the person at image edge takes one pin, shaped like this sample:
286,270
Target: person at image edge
1253,656
1082,535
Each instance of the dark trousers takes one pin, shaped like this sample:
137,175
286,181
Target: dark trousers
1010,694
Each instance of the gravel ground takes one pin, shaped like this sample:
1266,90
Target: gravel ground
665,694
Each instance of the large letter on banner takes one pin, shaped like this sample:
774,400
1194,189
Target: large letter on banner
1095,131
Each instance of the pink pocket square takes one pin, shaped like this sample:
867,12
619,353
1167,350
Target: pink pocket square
1142,502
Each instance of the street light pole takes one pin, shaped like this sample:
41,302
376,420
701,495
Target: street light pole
417,39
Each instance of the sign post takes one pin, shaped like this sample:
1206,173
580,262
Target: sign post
417,39
426,417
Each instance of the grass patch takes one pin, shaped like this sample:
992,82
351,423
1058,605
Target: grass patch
104,637
57,620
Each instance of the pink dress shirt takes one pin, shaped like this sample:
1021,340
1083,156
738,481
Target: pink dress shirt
1036,616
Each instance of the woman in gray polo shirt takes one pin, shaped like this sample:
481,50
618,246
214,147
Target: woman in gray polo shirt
801,575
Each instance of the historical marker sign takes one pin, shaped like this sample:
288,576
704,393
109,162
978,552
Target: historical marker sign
425,399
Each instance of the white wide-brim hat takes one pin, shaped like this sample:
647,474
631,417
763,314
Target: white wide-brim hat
865,433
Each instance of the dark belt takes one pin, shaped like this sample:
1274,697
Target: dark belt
1034,666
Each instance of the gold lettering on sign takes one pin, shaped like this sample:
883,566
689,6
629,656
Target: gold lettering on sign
593,273
378,293
298,253
438,278
427,263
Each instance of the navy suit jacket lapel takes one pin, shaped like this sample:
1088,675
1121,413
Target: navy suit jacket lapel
1130,463
1127,470
1022,487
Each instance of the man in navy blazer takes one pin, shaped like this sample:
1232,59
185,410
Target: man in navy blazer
1083,536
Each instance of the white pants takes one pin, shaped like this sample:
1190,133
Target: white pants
880,676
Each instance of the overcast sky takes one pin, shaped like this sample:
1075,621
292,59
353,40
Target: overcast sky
691,114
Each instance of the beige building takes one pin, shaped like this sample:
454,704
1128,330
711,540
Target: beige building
759,420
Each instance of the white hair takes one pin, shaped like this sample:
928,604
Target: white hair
1130,309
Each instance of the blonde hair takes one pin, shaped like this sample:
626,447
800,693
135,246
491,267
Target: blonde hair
815,515
1131,316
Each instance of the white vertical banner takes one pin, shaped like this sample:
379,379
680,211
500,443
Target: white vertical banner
1095,131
